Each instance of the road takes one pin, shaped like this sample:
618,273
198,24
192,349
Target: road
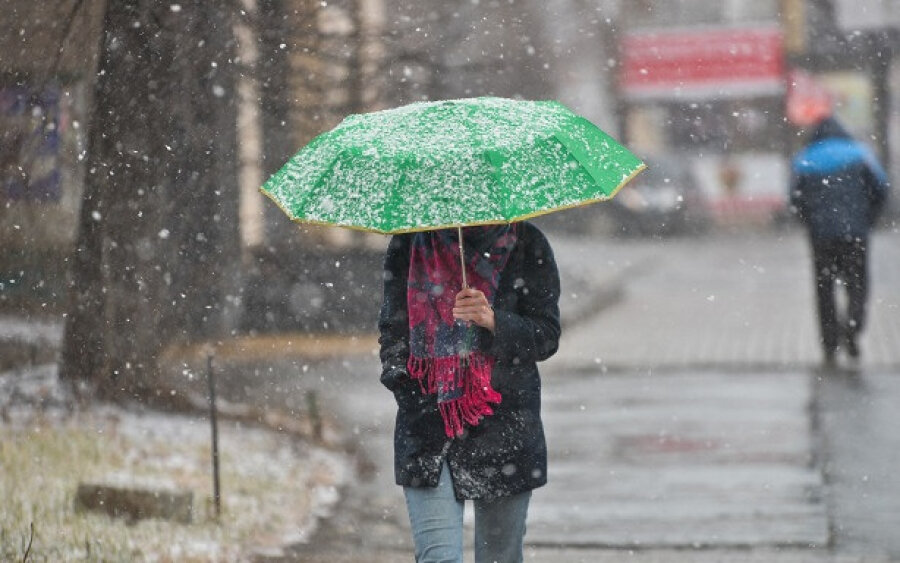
688,415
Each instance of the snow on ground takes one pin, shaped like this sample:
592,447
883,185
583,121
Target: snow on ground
274,486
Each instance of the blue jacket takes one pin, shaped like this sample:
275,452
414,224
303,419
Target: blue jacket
837,187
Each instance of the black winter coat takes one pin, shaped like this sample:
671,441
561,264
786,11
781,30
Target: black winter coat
505,453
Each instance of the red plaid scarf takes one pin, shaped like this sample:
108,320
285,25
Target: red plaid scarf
446,356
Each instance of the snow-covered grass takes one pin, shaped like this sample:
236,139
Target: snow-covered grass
274,486
28,340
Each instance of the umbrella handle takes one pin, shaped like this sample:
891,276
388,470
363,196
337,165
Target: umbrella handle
467,342
462,258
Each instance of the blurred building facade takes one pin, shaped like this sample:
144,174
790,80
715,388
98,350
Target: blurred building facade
852,47
44,90
701,83
698,78
705,83
47,56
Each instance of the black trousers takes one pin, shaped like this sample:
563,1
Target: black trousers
846,261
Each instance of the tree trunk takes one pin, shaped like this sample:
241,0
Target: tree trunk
158,246
277,142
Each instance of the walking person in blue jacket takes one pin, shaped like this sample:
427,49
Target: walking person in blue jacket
838,190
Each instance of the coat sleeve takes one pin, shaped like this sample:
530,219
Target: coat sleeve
877,187
393,327
797,196
393,324
531,333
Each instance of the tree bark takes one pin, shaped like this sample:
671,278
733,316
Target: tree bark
158,247
275,103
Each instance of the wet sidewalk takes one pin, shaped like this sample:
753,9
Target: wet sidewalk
684,460
647,466
685,413
682,421
693,413
723,301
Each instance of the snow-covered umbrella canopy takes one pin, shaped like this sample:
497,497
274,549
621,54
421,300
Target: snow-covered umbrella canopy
432,165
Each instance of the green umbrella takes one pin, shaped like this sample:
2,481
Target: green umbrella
434,165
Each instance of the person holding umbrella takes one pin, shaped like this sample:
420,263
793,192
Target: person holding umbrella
461,362
471,289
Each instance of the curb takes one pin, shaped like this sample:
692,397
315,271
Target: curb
308,346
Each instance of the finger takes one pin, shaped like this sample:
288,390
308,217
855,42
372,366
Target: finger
468,310
469,314
470,292
478,299
468,305
472,313
478,314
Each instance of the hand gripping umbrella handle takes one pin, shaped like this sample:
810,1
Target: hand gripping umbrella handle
467,343
462,258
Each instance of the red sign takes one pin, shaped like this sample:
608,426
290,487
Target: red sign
718,62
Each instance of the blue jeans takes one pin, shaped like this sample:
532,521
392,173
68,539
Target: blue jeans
436,518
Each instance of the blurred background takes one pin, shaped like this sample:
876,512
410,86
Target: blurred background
134,136
697,88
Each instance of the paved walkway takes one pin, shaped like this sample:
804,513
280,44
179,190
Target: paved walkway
679,460
696,421
739,301
681,421
685,422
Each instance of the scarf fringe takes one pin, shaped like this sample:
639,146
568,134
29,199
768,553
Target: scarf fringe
448,374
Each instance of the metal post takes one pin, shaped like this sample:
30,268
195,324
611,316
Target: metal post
312,404
213,421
